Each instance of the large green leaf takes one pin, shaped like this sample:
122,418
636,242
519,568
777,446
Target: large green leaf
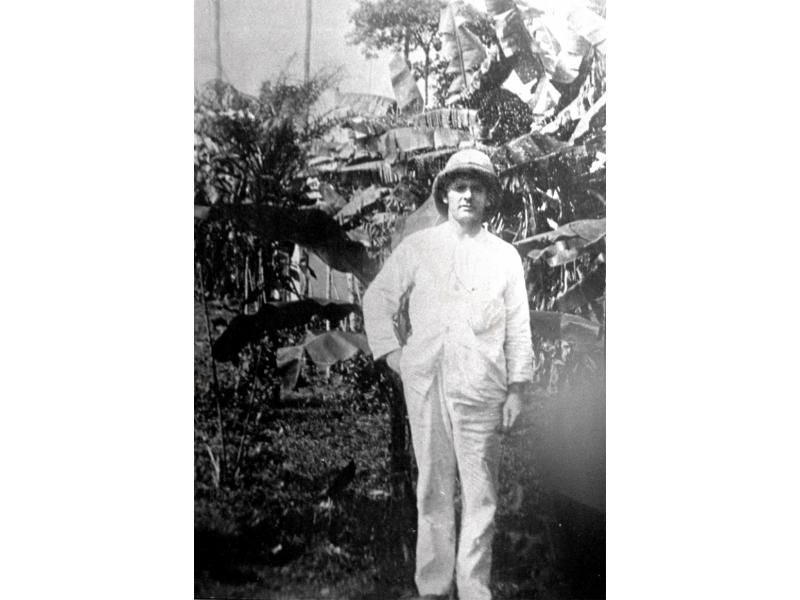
308,227
246,329
565,244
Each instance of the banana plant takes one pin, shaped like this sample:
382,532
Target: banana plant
322,349
273,316
564,244
310,228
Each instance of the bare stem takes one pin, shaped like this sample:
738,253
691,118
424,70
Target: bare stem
222,461
240,452
212,457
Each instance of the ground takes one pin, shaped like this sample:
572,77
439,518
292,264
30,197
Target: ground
311,515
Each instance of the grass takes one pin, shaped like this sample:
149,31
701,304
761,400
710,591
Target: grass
280,532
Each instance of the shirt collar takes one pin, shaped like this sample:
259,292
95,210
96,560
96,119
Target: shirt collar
452,231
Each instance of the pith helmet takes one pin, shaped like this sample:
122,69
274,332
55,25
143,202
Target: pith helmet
472,162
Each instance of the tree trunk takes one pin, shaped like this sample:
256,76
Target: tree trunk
217,43
307,61
427,73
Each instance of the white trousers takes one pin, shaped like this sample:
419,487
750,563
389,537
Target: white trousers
453,436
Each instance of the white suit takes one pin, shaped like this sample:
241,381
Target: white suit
470,338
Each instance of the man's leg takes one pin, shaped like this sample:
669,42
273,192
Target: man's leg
477,447
436,464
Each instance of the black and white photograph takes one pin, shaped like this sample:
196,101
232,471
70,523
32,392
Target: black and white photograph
408,370
399,303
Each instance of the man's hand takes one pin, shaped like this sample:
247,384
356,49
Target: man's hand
393,360
511,408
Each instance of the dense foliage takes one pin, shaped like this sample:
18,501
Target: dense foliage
291,450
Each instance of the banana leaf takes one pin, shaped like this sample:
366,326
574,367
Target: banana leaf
587,119
490,75
545,97
308,227
454,118
587,290
409,193
587,24
379,169
404,140
289,362
464,49
331,347
273,316
331,201
459,85
568,62
444,137
525,149
515,39
453,14
367,126
360,200
425,216
324,350
571,112
361,104
565,244
409,98
428,164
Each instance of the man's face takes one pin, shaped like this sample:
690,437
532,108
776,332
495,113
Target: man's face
466,199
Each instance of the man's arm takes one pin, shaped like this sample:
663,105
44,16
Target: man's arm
381,303
518,349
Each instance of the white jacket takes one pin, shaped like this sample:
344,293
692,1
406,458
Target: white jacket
468,310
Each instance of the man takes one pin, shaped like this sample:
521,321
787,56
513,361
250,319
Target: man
463,368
